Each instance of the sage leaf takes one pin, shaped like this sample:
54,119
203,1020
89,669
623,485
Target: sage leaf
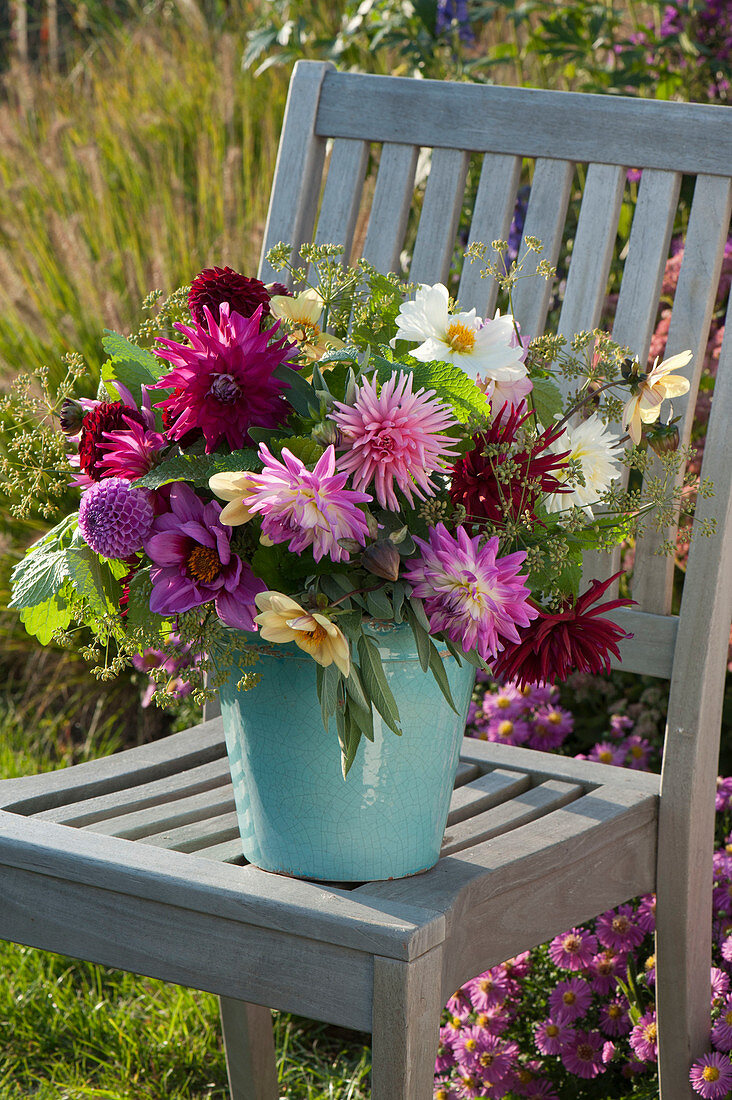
374,680
438,671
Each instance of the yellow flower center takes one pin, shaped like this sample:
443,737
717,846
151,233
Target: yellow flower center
552,1030
569,997
614,1011
620,924
485,984
571,943
650,962
471,1044
650,1032
554,717
305,333
585,1052
606,757
728,1017
636,751
459,337
710,1073
203,564
486,1058
505,728
502,702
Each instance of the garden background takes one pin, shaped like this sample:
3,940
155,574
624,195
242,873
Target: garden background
137,146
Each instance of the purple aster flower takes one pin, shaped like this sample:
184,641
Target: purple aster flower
193,563
459,1002
724,793
609,1050
722,1030
223,379
507,702
572,997
304,508
583,1056
726,949
605,752
638,751
444,1091
646,914
476,598
488,989
115,517
494,1019
551,724
553,1034
719,985
573,950
633,1068
445,1054
711,1076
604,969
495,1059
619,724
507,731
614,1019
649,968
618,929
469,1044
517,967
644,1038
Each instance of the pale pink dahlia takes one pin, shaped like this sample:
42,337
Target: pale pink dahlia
394,436
472,596
223,379
115,517
307,508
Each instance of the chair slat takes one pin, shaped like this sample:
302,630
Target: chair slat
593,247
545,216
483,793
443,200
465,773
196,810
509,815
692,311
342,195
492,216
299,168
390,207
154,794
197,835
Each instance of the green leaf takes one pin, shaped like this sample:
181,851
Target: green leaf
379,604
358,704
438,671
197,469
38,577
350,624
129,364
43,620
397,600
93,579
303,447
375,683
328,682
349,736
450,384
421,637
418,608
547,401
338,355
299,394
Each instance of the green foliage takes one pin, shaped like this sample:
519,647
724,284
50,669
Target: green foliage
450,384
547,401
196,469
129,364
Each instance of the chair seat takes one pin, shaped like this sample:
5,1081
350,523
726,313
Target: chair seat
146,841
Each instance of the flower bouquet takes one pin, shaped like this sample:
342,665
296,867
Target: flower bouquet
263,471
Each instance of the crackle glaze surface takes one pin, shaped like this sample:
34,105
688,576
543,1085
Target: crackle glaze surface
298,815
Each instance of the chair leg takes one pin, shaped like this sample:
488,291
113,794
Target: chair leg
250,1052
405,1026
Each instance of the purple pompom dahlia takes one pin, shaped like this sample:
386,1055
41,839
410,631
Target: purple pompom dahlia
115,517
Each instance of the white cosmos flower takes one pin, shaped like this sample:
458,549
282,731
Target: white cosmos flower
590,443
462,339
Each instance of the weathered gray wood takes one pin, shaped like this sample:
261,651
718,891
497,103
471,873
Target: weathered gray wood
651,649
483,793
192,837
406,1019
548,201
443,200
250,1052
342,195
491,221
679,137
693,305
503,818
299,167
390,206
465,773
686,822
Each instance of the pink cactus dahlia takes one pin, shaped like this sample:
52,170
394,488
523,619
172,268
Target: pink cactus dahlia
222,380
394,436
474,597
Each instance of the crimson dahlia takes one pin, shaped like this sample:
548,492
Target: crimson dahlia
215,285
574,639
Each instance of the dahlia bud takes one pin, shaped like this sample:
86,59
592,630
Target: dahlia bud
631,372
382,559
664,438
71,416
326,432
278,289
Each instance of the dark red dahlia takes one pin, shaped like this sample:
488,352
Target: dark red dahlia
476,479
574,639
107,416
215,285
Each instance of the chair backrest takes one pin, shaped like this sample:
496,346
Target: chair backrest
339,127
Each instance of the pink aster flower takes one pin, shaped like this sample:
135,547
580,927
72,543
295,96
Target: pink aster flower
394,436
711,1076
477,599
583,1056
507,731
223,378
720,985
638,751
609,1050
726,949
445,1059
619,723
573,950
644,1038
307,508
444,1091
604,970
614,1019
553,1034
618,929
606,752
724,793
572,998
646,915
722,1030
488,989
495,1059
494,1019
193,563
459,1002
508,702
469,1044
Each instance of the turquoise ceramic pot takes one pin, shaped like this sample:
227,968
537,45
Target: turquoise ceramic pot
297,814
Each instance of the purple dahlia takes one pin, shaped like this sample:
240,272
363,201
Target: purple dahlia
223,379
115,517
193,563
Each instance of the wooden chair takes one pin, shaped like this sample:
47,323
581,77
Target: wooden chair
133,861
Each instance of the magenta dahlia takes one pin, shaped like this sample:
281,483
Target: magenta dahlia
394,436
574,639
115,517
305,508
132,452
193,563
216,285
223,379
476,598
